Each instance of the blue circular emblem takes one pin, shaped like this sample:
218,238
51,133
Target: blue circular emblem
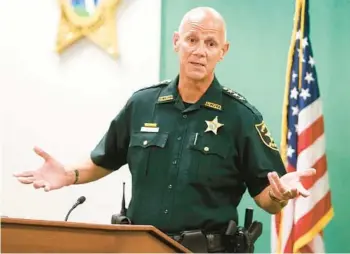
84,8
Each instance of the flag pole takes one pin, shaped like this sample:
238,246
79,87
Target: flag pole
301,51
283,146
284,128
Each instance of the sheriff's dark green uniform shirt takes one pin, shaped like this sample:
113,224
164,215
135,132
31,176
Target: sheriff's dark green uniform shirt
190,166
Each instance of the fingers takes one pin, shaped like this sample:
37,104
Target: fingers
41,184
37,184
26,180
47,187
26,177
24,174
292,193
306,173
274,188
276,182
304,192
294,188
42,153
295,192
280,190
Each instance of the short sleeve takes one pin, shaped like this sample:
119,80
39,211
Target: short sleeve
260,156
111,151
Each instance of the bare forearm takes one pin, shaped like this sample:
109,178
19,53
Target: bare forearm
87,172
264,201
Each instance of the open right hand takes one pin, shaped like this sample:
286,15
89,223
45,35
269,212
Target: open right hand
50,176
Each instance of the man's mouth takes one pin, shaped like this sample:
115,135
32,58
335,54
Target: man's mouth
197,64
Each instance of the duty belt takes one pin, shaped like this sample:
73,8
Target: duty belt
199,242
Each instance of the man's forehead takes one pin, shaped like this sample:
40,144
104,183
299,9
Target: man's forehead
210,33
194,28
204,22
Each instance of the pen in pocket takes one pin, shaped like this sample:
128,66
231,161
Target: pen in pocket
195,139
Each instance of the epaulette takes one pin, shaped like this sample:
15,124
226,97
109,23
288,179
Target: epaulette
165,82
241,99
161,83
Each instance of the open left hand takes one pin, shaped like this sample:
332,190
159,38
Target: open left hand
289,186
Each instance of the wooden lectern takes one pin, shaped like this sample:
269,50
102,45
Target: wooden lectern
40,236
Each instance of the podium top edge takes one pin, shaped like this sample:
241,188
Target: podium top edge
53,223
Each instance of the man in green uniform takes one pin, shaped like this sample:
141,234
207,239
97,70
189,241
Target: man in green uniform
193,146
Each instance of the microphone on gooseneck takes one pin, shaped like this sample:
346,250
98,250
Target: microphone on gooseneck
79,202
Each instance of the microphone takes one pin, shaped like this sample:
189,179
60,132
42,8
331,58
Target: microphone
79,202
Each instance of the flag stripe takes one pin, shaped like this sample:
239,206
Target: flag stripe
317,245
291,168
288,212
321,169
309,135
288,248
313,216
300,222
312,154
309,114
306,249
310,235
274,235
314,234
318,191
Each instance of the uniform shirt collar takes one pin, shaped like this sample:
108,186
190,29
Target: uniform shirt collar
211,99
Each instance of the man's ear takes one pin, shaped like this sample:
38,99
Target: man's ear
224,50
176,38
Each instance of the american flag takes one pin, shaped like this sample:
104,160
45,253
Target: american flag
299,227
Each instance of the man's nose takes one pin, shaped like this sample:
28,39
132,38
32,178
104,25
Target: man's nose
200,50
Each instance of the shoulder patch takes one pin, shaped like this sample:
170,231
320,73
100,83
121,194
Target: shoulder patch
241,99
265,135
160,84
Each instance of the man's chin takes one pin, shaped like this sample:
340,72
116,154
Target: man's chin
197,76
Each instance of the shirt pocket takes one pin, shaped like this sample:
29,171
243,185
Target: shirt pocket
144,148
210,154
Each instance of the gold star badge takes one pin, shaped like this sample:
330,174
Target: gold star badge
94,19
213,125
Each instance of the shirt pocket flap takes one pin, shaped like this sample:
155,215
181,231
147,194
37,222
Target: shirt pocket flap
211,145
148,139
